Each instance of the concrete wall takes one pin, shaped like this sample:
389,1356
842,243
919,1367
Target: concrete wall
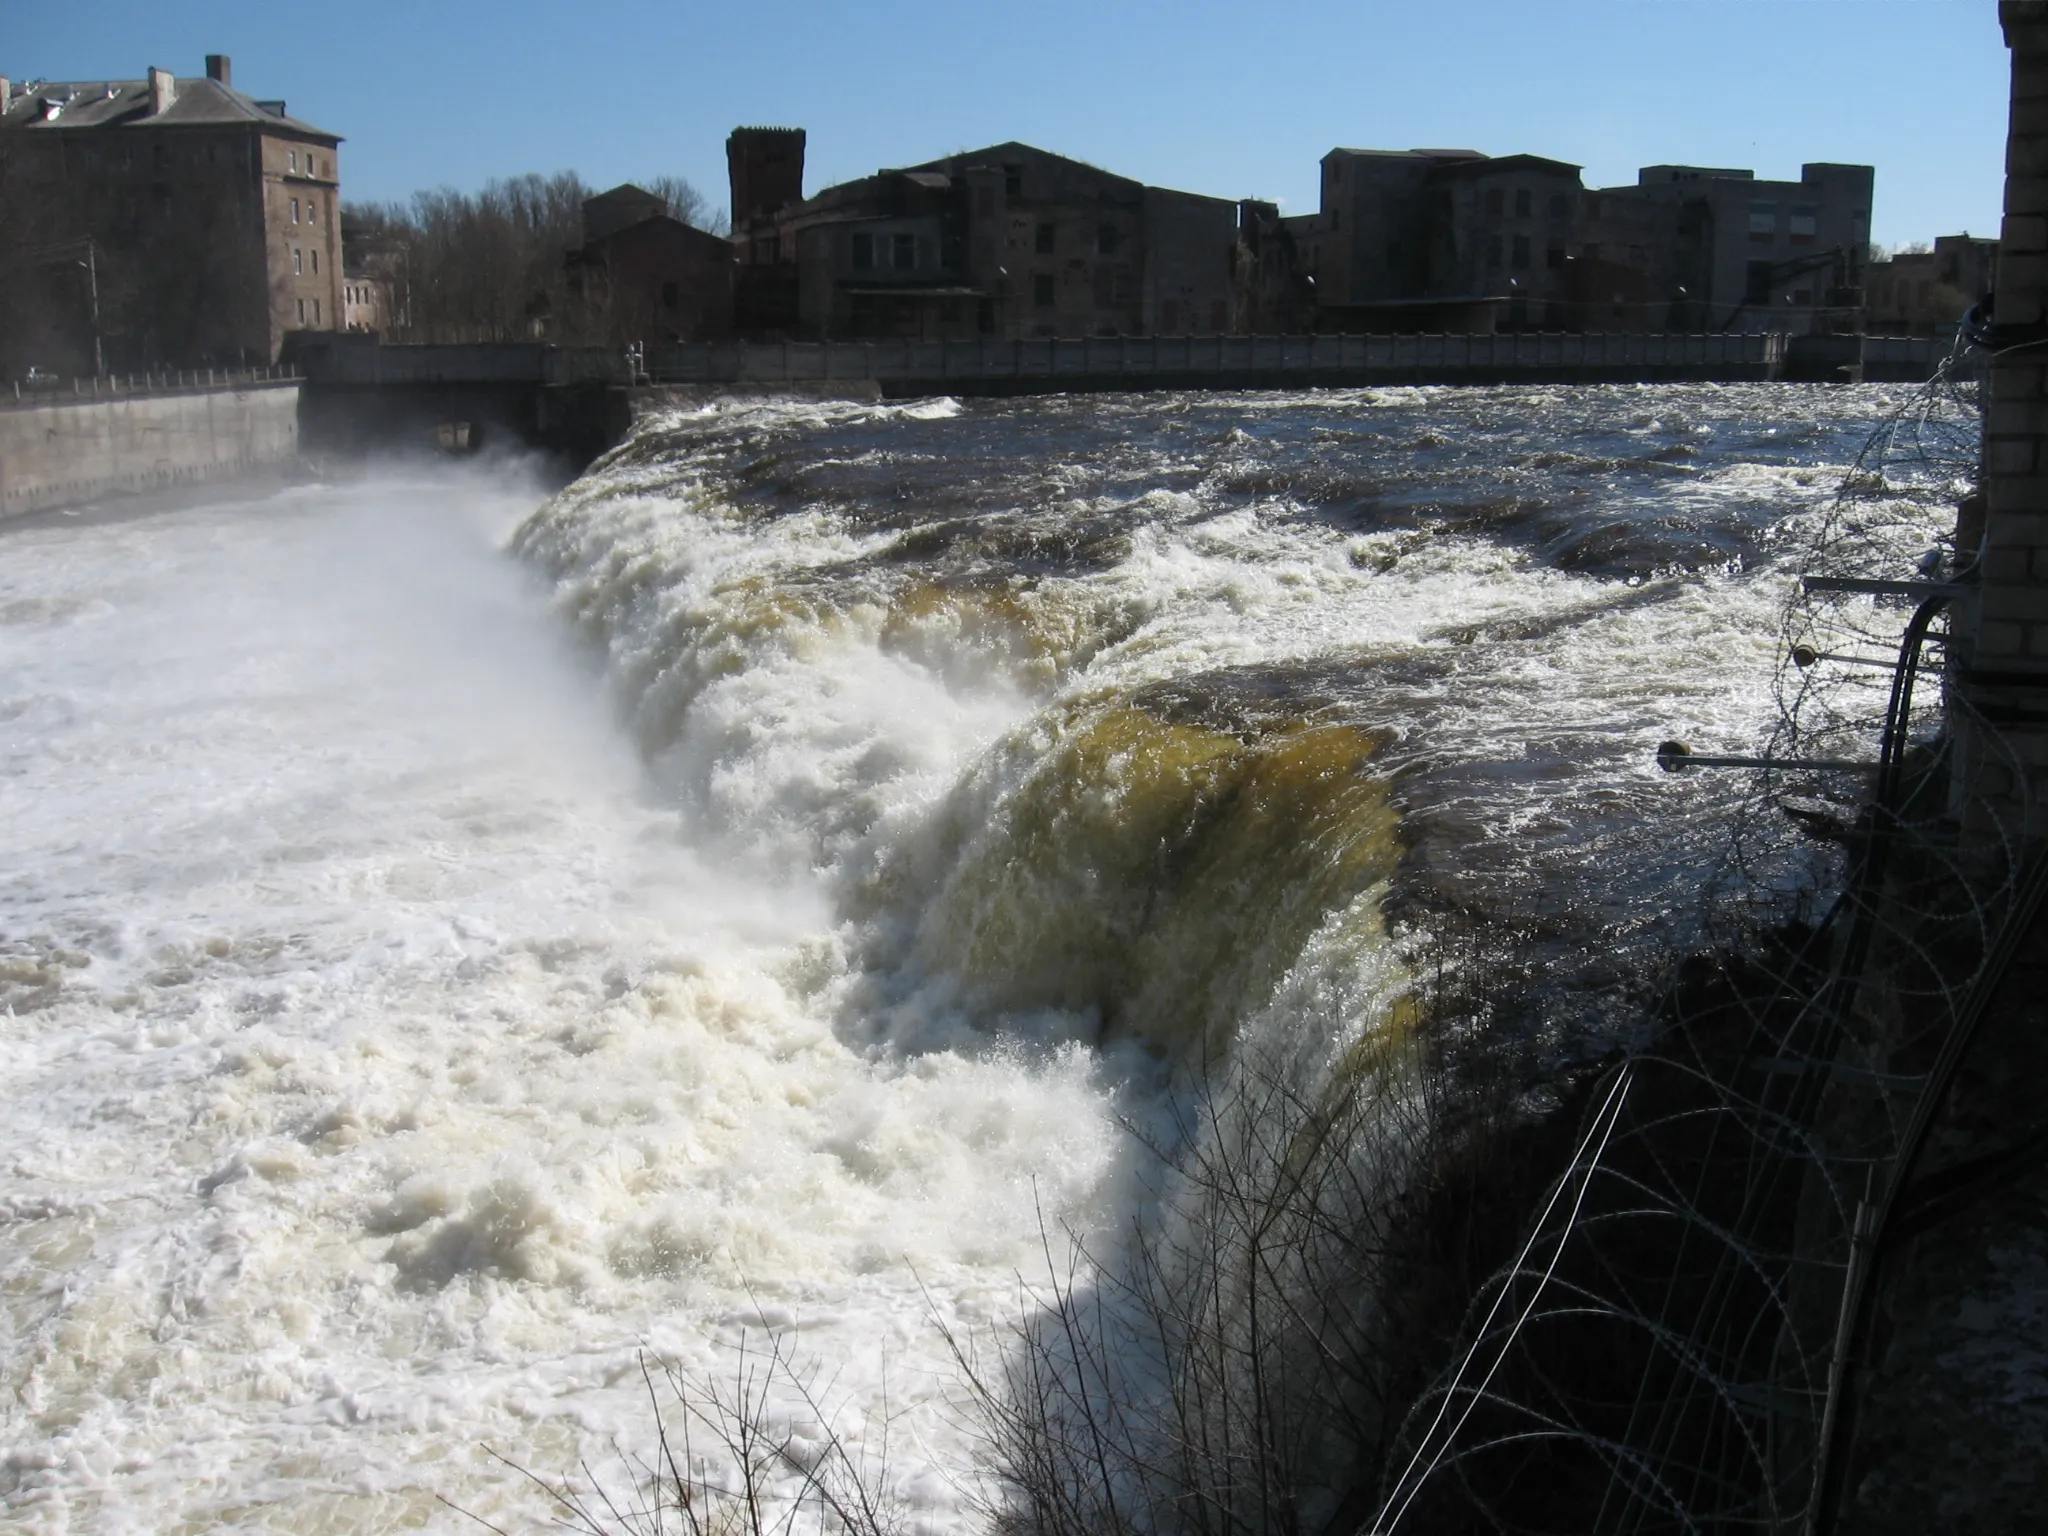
64,451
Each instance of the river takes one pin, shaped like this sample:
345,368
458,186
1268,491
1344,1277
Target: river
450,950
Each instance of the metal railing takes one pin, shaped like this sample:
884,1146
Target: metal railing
126,386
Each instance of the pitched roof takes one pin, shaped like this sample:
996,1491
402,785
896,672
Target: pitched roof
1538,163
125,104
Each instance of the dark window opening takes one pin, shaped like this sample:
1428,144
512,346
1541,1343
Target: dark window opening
863,253
1045,239
1554,256
1495,202
1522,203
1521,259
1756,283
1106,239
906,252
1042,288
1013,181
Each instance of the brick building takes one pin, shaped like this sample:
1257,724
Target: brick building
645,277
1004,242
163,222
1917,292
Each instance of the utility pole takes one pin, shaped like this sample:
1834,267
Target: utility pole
92,280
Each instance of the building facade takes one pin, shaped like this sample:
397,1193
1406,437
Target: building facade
1739,254
1915,293
647,279
206,223
1451,239
1003,243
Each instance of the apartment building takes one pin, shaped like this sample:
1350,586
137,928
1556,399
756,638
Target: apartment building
163,222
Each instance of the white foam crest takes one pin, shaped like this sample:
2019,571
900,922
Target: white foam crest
386,1067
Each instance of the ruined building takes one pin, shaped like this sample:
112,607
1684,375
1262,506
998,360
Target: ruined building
162,222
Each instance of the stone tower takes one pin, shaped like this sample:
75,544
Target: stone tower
766,167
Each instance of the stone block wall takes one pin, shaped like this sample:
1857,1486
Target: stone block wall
2002,732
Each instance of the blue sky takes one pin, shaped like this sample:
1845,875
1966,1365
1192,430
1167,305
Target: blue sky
1237,100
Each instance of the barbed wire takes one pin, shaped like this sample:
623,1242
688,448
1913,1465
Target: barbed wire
1669,1349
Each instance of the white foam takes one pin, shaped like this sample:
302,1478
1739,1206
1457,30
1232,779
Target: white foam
406,1067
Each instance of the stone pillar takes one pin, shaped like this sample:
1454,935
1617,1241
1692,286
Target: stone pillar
2002,654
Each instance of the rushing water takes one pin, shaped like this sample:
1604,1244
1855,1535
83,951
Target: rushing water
447,953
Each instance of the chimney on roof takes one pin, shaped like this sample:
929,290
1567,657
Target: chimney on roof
163,90
220,68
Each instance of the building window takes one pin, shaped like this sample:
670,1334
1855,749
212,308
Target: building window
1521,252
1763,221
1756,283
295,210
316,259
302,311
316,311
1554,256
905,253
1013,181
298,260
1493,250
1522,203
863,253
1042,289
291,160
1106,240
1045,235
1495,202
1805,225
1560,205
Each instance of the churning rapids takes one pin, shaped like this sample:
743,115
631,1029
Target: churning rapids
449,948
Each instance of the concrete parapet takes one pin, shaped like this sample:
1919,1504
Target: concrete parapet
68,450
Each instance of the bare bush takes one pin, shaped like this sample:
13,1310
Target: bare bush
731,1458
